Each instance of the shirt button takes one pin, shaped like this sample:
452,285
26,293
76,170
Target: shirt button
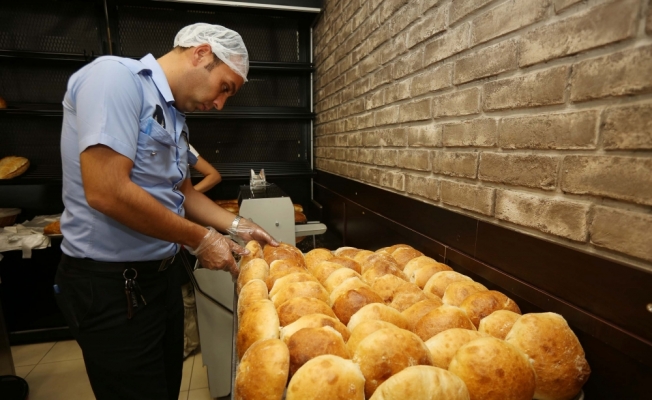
153,153
175,187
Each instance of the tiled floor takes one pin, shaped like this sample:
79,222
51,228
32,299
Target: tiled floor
55,371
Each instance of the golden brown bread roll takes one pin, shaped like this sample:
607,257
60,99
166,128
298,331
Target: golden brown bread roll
364,329
323,270
492,369
377,311
361,256
283,252
481,304
229,201
259,322
387,352
251,292
345,286
285,280
281,268
376,259
299,217
297,307
12,166
300,289
421,276
339,276
347,263
422,382
403,255
558,358
381,269
348,252
232,208
441,319
309,343
386,285
255,251
316,256
327,377
421,262
298,207
457,292
438,283
444,345
392,249
351,301
383,250
254,269
53,228
314,321
498,323
417,310
406,295
265,361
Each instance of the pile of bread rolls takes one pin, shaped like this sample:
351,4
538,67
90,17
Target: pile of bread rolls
391,325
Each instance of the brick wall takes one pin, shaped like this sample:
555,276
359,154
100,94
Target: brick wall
531,114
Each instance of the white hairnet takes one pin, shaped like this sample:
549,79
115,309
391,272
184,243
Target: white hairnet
227,45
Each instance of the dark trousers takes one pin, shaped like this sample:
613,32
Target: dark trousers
139,358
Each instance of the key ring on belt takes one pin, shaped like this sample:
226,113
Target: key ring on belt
124,273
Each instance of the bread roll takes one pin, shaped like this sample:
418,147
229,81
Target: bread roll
362,255
3,103
281,268
327,377
558,358
297,307
438,283
387,352
251,292
53,228
383,250
348,252
392,249
323,270
417,310
386,286
441,319
255,251
339,276
364,329
309,343
421,262
283,252
12,166
259,322
257,268
228,201
314,321
282,282
300,289
494,370
232,208
374,260
347,263
498,323
351,301
345,286
406,295
265,361
315,256
444,345
377,311
422,382
481,304
457,292
375,272
299,217
404,255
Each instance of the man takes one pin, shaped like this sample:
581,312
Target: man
130,205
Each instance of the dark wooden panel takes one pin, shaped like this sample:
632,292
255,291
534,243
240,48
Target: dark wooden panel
612,291
333,211
449,228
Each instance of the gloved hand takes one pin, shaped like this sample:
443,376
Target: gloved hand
214,252
248,230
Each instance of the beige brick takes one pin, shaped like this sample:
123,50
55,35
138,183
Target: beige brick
387,158
561,5
462,102
507,17
381,76
404,17
620,74
622,231
432,80
389,7
388,115
347,93
479,132
340,154
424,186
469,197
409,63
628,127
351,76
461,8
354,171
428,4
598,26
351,124
370,174
450,43
392,180
424,136
366,156
623,178
369,63
461,164
376,99
392,49
360,87
365,120
415,111
395,137
489,61
648,25
414,159
341,140
557,217
355,107
352,155
397,91
427,27
536,89
552,131
528,170
354,139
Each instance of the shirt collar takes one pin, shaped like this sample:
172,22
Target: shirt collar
158,76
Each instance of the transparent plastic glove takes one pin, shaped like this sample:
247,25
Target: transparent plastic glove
215,252
248,230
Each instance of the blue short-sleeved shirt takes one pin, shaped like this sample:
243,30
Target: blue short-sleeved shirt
126,105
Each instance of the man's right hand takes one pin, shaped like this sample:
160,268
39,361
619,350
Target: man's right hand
215,252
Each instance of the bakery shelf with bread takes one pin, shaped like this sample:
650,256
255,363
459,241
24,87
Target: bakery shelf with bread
391,324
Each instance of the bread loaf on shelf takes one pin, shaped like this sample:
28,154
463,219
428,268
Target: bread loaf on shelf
364,329
403,255
482,304
314,321
352,300
457,292
12,166
347,263
327,377
416,311
297,307
256,268
255,251
251,292
441,319
259,322
444,345
339,276
498,323
309,343
281,268
422,382
316,256
438,283
377,311
53,228
281,283
265,361
300,289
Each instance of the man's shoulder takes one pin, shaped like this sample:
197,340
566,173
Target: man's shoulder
134,66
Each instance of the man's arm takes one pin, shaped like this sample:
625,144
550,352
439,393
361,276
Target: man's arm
203,210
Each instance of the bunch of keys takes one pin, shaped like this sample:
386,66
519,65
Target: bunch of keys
132,290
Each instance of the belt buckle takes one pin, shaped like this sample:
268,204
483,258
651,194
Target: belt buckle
164,263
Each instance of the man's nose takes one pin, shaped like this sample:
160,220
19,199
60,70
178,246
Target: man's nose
219,102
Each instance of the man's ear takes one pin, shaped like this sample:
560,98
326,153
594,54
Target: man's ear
200,54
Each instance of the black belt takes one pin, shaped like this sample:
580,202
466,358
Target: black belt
103,266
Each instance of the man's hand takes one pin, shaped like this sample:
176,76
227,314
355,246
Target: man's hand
248,230
214,252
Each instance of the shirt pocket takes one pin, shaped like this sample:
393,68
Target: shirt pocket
156,153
